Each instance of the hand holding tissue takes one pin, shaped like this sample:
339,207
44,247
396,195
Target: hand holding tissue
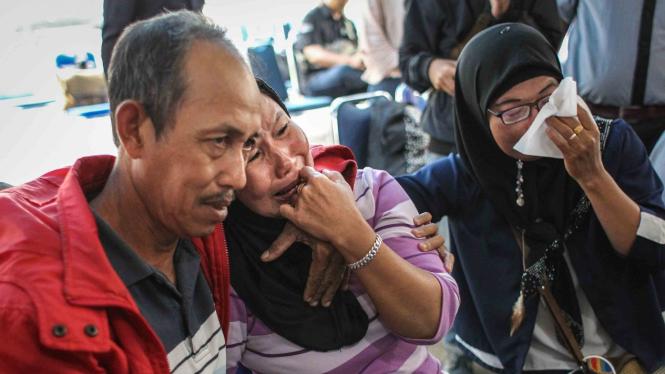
563,103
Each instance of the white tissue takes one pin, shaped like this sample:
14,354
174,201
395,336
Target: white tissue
563,103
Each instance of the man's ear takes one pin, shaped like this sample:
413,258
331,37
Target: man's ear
134,127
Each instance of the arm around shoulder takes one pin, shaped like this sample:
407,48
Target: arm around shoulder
440,188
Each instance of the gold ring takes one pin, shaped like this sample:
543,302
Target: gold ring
578,129
572,137
300,187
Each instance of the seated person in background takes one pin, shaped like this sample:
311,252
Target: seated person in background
380,36
398,298
329,42
588,227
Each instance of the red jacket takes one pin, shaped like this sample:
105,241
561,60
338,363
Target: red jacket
63,309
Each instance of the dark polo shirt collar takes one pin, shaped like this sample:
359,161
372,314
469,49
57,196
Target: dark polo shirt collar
131,268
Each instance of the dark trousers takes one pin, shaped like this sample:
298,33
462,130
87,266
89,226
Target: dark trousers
336,81
649,131
388,84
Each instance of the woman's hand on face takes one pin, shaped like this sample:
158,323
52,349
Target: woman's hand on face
325,207
581,151
328,271
429,230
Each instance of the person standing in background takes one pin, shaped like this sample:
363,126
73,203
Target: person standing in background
435,33
380,36
329,42
118,14
616,53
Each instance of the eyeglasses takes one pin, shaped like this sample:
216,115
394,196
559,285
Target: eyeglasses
519,113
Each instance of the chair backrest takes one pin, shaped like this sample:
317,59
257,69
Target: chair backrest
81,61
350,123
296,63
263,62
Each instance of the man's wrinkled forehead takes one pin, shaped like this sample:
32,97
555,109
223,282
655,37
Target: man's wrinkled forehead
219,78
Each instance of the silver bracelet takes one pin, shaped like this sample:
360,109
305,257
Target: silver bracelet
368,257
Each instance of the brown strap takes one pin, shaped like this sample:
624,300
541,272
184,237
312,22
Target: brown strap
560,323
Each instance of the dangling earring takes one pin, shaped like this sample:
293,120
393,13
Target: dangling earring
520,179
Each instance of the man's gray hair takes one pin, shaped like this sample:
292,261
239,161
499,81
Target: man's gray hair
148,64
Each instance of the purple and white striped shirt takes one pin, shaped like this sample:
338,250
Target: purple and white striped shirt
386,207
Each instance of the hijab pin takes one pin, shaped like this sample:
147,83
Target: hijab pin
504,30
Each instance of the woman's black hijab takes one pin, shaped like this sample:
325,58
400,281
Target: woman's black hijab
273,291
492,63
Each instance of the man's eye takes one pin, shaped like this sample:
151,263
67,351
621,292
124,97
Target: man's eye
221,140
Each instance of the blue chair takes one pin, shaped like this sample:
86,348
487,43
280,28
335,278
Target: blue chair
295,60
90,111
350,123
263,62
88,60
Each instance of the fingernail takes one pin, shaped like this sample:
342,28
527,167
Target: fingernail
265,255
326,171
308,299
424,246
326,304
314,304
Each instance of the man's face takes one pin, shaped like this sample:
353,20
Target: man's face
188,176
272,171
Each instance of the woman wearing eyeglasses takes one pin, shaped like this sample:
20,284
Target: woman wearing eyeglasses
590,228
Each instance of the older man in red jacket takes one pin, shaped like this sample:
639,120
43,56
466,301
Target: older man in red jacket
97,271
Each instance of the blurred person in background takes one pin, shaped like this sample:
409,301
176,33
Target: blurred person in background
118,14
435,32
329,42
380,36
616,54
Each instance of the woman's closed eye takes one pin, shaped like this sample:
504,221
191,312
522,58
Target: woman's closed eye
283,129
255,156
